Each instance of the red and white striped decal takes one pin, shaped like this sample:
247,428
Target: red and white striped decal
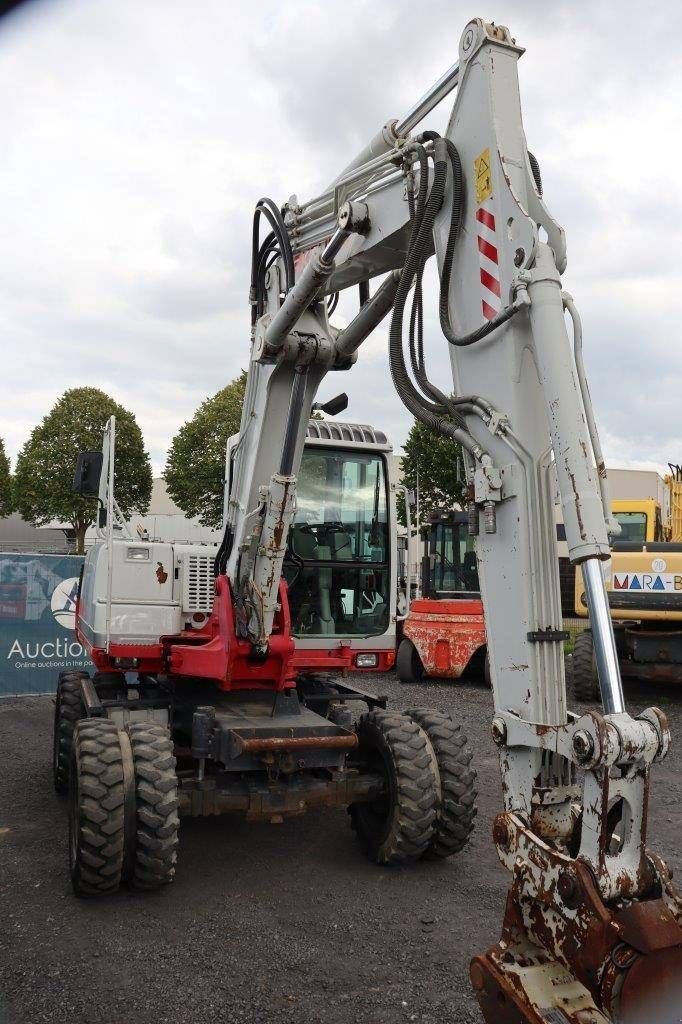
489,260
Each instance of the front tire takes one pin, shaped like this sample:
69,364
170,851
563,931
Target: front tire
399,826
457,789
157,822
96,808
408,663
68,709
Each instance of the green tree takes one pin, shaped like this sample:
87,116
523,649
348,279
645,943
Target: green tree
5,483
438,461
45,466
195,467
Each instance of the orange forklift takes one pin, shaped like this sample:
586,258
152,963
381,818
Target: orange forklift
444,632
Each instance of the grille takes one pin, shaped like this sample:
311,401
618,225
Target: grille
197,582
356,433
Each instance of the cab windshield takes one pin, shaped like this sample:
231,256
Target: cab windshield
453,559
337,563
632,526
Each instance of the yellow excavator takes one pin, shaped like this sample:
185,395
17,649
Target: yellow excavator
644,584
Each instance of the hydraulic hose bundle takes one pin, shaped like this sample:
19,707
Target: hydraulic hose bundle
430,407
429,404
264,254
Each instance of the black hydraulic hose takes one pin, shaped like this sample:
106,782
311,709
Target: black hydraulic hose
416,330
223,553
456,220
276,220
267,208
535,168
428,413
422,222
267,254
416,313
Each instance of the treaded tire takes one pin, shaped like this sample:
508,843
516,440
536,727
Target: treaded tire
68,709
487,679
457,810
109,684
96,808
156,840
408,664
584,669
399,826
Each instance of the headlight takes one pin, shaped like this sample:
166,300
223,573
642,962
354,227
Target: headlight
366,660
138,554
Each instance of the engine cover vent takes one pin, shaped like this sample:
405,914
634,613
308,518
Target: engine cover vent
197,579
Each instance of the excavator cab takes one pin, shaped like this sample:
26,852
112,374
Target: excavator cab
444,632
449,567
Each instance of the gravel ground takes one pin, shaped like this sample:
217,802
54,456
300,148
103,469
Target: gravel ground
264,923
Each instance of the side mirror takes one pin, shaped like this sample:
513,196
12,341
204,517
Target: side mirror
88,472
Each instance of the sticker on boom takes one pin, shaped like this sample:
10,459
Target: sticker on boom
647,581
484,181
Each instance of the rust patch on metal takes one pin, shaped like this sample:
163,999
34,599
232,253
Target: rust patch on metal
576,501
600,962
254,744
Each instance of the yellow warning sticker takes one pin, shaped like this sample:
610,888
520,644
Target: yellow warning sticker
484,181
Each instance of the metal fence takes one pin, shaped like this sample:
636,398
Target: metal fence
37,621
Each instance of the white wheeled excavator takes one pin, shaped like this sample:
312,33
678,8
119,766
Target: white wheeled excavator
215,719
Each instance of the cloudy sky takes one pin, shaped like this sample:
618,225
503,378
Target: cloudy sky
136,137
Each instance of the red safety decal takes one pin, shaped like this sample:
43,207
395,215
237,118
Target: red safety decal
487,249
488,260
490,282
485,217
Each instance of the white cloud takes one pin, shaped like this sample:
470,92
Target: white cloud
137,137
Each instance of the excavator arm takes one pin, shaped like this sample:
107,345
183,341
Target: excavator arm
592,929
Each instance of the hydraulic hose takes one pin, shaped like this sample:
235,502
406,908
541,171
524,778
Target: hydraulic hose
416,330
569,305
429,413
456,220
259,253
535,168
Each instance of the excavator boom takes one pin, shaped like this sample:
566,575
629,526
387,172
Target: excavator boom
592,926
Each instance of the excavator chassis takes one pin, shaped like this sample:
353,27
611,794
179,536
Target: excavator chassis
259,754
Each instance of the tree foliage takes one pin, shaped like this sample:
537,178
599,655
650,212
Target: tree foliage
438,461
195,467
5,483
45,466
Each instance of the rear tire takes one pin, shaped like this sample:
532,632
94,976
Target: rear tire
96,808
109,685
68,709
457,809
398,827
157,822
584,669
408,663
